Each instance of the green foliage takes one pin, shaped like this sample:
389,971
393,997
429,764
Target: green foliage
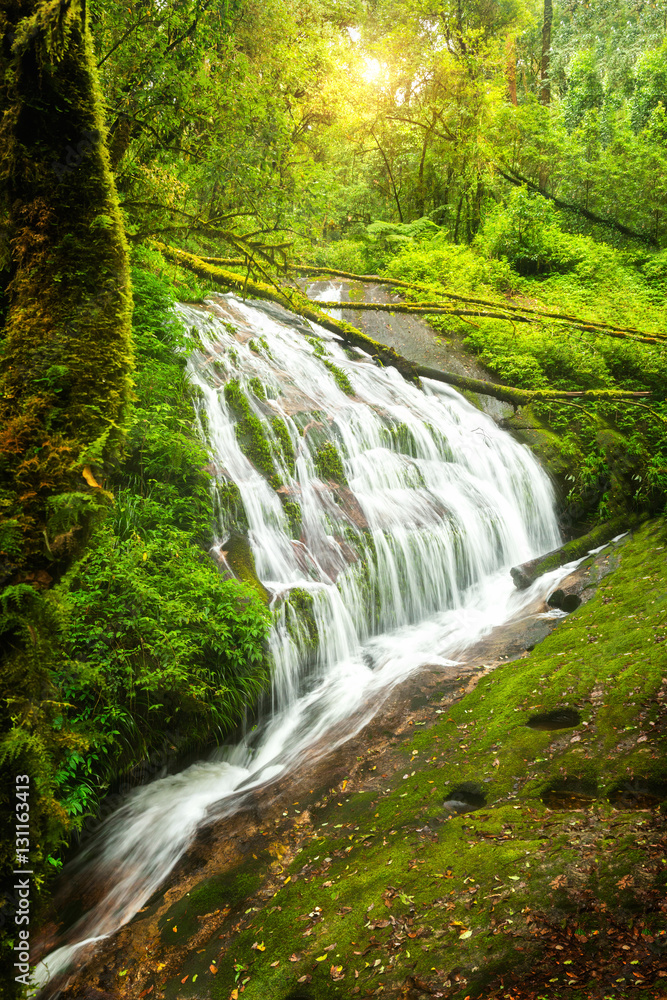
585,91
650,87
158,632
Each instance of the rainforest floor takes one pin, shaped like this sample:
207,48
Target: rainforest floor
353,877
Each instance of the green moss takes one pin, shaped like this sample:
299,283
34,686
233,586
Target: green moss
257,387
250,433
301,622
281,432
230,509
340,378
236,399
329,464
181,921
293,511
259,345
240,558
317,345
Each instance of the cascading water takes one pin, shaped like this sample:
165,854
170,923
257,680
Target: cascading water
383,524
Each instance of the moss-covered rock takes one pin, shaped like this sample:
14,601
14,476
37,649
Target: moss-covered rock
250,433
279,428
239,556
329,464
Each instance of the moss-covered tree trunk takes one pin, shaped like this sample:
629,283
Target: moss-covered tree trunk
64,279
65,312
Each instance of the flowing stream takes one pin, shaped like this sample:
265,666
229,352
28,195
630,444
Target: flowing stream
384,541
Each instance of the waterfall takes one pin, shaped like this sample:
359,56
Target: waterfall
383,520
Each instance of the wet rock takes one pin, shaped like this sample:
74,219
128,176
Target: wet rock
564,602
351,507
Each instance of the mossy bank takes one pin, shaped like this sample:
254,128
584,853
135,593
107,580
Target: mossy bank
370,880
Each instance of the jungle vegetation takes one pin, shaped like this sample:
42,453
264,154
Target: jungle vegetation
502,161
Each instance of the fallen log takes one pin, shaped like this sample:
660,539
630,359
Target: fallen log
297,302
526,573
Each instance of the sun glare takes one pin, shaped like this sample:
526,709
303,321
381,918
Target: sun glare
372,69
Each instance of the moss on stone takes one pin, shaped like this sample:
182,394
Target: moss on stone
250,433
257,387
280,430
329,464
317,345
340,377
301,624
230,505
240,558
293,511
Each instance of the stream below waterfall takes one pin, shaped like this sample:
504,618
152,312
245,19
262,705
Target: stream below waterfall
383,525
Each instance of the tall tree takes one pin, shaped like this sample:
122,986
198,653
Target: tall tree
545,83
64,369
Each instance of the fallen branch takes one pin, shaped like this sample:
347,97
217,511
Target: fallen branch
590,326
519,181
423,308
526,574
298,303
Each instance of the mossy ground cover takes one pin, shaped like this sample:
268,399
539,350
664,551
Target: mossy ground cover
374,887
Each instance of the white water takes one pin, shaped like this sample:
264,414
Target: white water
450,503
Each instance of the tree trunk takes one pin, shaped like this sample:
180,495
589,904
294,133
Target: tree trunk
64,374
510,68
545,85
391,180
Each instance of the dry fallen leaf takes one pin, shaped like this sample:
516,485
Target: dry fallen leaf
275,964
259,946
174,928
294,958
213,969
558,882
304,979
185,978
89,477
336,972
465,934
